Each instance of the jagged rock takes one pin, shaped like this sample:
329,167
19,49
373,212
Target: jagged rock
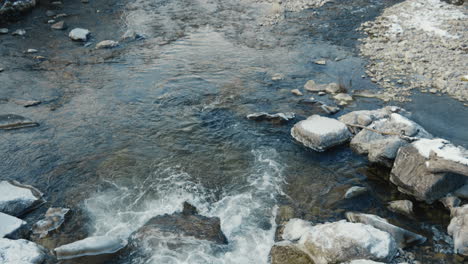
188,223
79,34
458,229
320,133
382,149
404,207
107,44
366,117
21,252
288,253
462,192
14,7
9,226
91,246
403,237
354,192
10,121
59,25
17,199
416,173
450,202
271,117
332,242
53,219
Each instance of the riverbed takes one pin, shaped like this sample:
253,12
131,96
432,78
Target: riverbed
132,132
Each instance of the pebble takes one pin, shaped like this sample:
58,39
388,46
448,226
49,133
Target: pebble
59,25
19,32
296,92
320,62
433,90
107,44
464,78
31,50
4,30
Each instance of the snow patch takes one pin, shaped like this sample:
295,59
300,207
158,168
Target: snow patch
20,251
322,125
443,149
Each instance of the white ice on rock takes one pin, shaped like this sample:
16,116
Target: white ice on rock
9,224
15,198
443,149
90,246
20,252
330,242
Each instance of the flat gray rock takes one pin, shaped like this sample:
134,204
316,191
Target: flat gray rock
11,121
17,199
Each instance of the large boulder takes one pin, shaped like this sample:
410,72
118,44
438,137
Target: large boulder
17,199
382,148
458,229
403,237
96,246
9,8
429,169
21,252
320,133
289,253
10,226
340,241
187,223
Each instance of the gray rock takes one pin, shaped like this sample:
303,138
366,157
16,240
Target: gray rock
271,117
354,192
21,252
404,207
53,219
311,86
10,225
10,121
91,246
332,242
12,7
107,44
403,237
462,192
382,149
450,202
59,25
17,199
79,34
332,88
320,133
458,229
288,253
413,171
320,62
343,97
4,30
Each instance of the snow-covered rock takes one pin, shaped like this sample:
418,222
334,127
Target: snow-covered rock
458,229
79,34
91,246
382,149
53,219
17,199
9,225
429,169
21,252
355,191
320,133
366,117
402,236
331,242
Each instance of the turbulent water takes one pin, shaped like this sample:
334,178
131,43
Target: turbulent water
132,133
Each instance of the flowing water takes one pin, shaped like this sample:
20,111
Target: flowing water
134,132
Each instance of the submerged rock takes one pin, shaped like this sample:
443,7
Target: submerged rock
458,229
79,34
271,117
19,32
332,242
320,133
382,148
187,223
354,192
364,261
53,219
289,253
21,252
9,226
91,246
17,199
107,44
10,121
403,237
404,207
416,173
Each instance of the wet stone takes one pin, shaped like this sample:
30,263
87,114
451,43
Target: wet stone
26,103
296,92
404,207
50,13
355,191
17,199
19,32
107,44
288,253
278,117
53,219
11,121
59,25
4,30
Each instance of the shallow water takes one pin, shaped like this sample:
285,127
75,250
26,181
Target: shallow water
131,133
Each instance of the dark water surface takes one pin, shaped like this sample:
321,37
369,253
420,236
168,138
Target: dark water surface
130,133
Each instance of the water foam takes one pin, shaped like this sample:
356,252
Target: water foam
247,213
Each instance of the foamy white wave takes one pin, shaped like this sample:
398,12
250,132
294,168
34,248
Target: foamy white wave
247,214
